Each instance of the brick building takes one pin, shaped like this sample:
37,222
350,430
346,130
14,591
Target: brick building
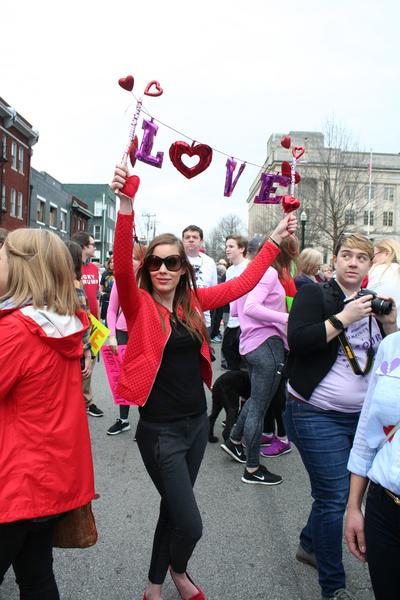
16,140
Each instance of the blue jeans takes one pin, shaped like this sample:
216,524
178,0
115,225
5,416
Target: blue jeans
265,370
324,439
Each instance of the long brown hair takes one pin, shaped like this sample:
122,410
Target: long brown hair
183,297
285,262
40,271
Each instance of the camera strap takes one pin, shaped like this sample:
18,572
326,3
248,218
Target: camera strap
351,357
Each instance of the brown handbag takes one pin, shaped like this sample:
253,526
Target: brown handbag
76,529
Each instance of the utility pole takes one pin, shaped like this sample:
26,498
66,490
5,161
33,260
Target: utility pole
150,224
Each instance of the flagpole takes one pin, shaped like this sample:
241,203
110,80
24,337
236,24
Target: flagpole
369,192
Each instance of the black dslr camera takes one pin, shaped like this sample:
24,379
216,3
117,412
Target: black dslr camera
378,305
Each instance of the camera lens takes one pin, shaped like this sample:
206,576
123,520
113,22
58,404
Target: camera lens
381,307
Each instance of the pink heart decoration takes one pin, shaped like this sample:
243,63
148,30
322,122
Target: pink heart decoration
158,89
297,152
289,203
131,186
286,141
127,83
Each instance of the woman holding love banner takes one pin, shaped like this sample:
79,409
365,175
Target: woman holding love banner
166,362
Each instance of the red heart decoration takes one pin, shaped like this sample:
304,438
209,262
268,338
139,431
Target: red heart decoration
297,152
289,203
286,141
286,170
131,186
127,83
203,151
132,151
158,91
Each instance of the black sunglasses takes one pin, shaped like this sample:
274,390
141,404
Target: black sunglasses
172,262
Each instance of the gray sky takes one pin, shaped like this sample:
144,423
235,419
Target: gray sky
233,72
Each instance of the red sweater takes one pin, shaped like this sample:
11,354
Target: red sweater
148,322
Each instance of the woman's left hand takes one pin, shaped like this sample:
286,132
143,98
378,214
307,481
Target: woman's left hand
87,370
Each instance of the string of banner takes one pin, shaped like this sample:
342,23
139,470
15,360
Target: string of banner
269,182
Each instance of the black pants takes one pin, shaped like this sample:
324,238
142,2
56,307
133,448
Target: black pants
122,340
216,317
230,348
172,454
28,547
382,536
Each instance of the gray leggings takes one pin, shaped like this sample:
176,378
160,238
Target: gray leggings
265,367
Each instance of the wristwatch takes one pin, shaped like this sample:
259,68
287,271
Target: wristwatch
337,323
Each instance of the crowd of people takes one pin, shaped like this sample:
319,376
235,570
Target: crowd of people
320,346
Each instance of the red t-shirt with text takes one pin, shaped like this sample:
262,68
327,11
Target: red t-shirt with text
90,280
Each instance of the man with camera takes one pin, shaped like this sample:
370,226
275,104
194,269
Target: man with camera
334,330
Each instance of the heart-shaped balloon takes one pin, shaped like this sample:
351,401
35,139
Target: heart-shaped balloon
203,151
286,141
297,152
132,151
158,89
286,170
131,186
289,203
127,83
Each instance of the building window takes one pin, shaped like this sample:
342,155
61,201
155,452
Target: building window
349,217
41,210
349,191
388,218
4,147
63,220
21,160
3,198
371,217
388,192
110,236
97,233
98,208
13,203
14,155
20,205
111,212
53,216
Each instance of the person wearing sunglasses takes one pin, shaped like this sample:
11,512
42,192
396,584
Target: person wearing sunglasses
166,362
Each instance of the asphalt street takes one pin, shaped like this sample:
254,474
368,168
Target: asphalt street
250,532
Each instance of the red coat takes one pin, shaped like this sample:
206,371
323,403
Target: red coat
45,454
148,322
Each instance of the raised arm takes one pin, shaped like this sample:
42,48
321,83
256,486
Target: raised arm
125,279
222,294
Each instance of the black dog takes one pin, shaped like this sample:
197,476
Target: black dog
226,393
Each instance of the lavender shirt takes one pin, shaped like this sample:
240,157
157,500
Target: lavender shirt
341,389
262,313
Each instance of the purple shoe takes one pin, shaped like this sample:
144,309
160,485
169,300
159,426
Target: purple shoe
266,440
277,448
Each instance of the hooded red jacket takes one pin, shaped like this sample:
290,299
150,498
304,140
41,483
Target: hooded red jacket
148,322
45,454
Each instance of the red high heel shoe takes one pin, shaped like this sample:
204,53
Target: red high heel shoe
200,594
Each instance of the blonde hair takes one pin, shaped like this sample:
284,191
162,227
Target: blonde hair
392,247
309,261
40,271
355,240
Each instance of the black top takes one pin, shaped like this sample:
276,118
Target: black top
178,389
311,357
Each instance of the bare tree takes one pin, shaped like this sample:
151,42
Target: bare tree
334,187
215,241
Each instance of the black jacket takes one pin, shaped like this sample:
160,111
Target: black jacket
311,357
